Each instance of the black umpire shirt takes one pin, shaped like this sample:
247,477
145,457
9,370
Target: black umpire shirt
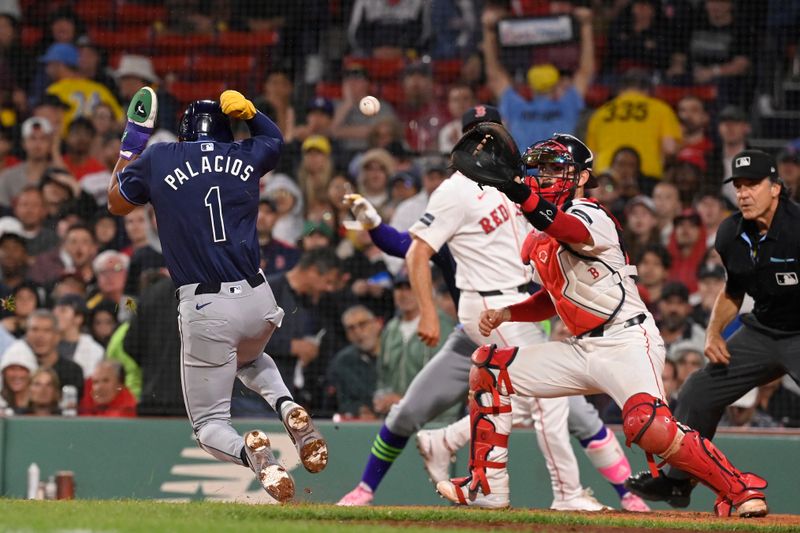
767,267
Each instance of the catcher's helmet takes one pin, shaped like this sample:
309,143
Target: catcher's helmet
204,119
557,164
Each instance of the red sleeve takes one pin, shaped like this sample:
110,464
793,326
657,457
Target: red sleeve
535,308
562,226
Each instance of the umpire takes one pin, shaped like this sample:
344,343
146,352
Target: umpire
759,248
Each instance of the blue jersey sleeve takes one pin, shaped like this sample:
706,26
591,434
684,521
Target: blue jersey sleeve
134,180
266,141
390,241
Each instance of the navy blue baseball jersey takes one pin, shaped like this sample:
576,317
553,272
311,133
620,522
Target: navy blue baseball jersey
205,195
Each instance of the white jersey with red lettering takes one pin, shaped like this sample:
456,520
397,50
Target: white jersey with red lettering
591,285
482,228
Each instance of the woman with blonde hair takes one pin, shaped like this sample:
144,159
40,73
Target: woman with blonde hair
315,172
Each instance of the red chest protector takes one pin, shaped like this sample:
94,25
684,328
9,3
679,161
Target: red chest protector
586,292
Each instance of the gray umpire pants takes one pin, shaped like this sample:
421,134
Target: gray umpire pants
756,359
444,382
223,335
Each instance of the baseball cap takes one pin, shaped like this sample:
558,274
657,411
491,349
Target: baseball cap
753,165
480,113
688,214
356,70
310,227
407,178
61,53
136,66
748,400
693,156
418,67
707,271
317,142
20,354
642,200
36,123
733,113
53,101
268,201
11,9
675,288
789,156
12,236
401,278
74,301
320,104
542,78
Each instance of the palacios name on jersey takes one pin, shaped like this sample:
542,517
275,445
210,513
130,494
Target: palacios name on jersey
219,164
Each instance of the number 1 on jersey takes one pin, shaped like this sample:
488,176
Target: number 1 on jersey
214,204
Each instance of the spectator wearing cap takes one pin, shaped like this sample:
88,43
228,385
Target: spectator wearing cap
434,172
14,260
674,317
16,367
105,393
402,186
419,110
687,246
389,28
460,99
75,345
276,255
402,353
712,210
733,128
557,101
652,265
319,118
77,157
376,166
688,358
135,72
789,170
75,255
710,282
746,412
37,142
636,119
288,200
316,235
80,93
315,172
350,126
641,225
92,63
31,210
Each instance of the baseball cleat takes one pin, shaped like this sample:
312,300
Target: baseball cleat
457,492
754,508
585,501
143,108
358,497
436,454
633,503
311,446
272,476
676,492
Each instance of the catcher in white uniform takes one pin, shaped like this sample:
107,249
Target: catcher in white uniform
579,258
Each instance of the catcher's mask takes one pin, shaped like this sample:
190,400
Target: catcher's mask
204,120
554,167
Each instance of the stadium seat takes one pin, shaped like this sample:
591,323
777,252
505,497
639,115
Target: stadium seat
242,42
597,95
378,68
187,91
329,90
137,14
169,44
223,67
392,92
31,36
446,70
94,12
128,40
178,65
673,93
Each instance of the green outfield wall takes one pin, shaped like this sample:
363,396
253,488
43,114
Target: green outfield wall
158,459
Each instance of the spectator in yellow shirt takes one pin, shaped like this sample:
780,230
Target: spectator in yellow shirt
81,94
634,119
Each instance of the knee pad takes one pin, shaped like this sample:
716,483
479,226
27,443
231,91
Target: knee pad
493,359
648,422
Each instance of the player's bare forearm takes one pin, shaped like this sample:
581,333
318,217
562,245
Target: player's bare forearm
419,274
117,205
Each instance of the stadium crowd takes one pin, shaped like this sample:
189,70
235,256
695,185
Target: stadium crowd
665,92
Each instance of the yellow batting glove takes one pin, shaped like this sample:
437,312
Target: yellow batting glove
234,104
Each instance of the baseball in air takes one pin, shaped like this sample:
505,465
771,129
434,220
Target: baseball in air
369,105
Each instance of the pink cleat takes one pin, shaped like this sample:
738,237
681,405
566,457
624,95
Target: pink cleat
358,497
631,502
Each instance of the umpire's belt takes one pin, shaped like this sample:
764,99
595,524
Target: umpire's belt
599,331
521,288
214,287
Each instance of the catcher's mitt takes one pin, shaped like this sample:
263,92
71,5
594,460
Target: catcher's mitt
488,155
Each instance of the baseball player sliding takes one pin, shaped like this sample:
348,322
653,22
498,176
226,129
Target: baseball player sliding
579,260
205,190
484,231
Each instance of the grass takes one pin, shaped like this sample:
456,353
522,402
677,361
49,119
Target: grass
197,517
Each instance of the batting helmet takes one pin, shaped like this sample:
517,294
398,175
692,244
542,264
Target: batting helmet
204,119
